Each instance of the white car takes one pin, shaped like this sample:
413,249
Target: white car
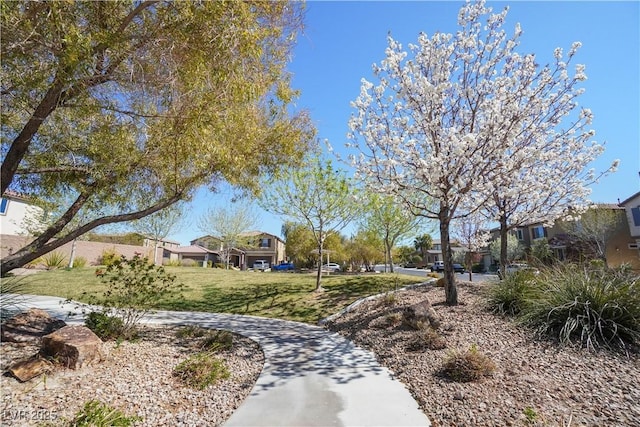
261,265
332,267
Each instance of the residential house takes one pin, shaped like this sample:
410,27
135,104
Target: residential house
632,213
621,248
435,253
15,209
259,246
193,254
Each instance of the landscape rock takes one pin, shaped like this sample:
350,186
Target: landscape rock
25,370
30,326
73,346
420,315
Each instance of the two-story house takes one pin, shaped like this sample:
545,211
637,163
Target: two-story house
620,246
257,245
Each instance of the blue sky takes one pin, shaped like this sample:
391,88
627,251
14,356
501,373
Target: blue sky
343,39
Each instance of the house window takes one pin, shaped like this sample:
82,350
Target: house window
3,206
537,232
518,233
635,212
265,242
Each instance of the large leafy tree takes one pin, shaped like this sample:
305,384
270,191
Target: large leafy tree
457,117
106,101
316,195
388,218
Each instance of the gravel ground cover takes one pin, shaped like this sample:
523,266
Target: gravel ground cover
535,383
137,379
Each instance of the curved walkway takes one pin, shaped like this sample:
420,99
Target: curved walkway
311,377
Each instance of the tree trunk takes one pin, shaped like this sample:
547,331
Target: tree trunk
450,289
319,274
72,256
503,246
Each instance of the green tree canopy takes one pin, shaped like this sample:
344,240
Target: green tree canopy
317,195
130,106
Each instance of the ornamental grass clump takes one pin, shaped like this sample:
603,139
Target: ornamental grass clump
510,296
593,306
201,370
468,366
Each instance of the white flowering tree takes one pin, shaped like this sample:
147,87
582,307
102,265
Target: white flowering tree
457,117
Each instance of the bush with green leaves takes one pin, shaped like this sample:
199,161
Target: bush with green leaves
105,326
108,257
467,366
97,414
134,287
510,295
593,306
201,370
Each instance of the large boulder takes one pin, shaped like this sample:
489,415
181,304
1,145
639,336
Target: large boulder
421,315
30,326
73,346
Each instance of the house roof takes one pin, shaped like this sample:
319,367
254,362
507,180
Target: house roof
191,249
10,194
245,234
624,202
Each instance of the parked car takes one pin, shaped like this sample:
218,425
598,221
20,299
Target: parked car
458,268
332,267
439,266
261,265
283,266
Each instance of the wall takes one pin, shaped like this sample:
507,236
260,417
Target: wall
91,251
16,211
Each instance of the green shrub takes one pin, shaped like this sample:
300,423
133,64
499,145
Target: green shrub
593,306
104,326
201,370
172,263
53,260
468,366
133,287
187,262
191,331
216,341
98,414
79,262
108,257
510,295
220,265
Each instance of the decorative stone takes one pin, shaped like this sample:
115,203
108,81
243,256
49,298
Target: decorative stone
420,315
25,370
30,326
73,346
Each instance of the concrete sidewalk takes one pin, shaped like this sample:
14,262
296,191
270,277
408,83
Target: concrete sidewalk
311,377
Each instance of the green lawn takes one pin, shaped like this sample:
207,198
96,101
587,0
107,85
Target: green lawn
280,295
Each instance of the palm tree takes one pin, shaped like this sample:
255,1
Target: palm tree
423,243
